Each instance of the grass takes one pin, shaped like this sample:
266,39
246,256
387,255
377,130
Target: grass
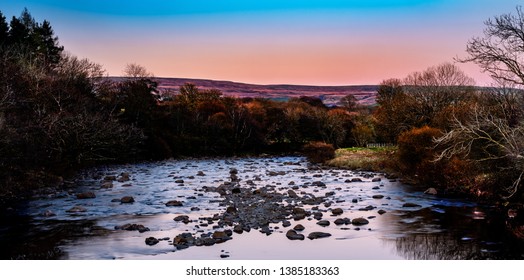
380,159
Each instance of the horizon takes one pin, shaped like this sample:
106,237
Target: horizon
333,43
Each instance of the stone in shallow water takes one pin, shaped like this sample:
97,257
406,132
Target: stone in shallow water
293,235
344,221
76,209
323,223
337,211
151,241
299,227
359,221
85,195
174,203
378,196
127,199
409,204
182,218
318,234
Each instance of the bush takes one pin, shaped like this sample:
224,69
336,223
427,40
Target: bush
319,152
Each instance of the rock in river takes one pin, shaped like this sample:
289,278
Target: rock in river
76,209
127,199
409,204
344,221
151,241
337,211
318,234
293,235
359,221
85,195
174,203
323,223
299,227
182,218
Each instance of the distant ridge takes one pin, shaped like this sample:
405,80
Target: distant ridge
330,95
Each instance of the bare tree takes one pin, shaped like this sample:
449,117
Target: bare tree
136,71
501,51
485,137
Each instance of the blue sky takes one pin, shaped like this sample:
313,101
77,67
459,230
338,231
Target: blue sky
266,42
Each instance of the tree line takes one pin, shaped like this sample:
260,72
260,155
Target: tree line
453,135
59,113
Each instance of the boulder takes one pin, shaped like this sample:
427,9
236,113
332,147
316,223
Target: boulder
381,211
182,218
174,203
359,221
85,195
318,234
410,205
337,211
377,196
151,241
299,227
127,199
323,223
344,221
238,229
293,235
124,177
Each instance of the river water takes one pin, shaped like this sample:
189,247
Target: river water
62,226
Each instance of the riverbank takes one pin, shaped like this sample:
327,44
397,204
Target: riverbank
384,160
368,159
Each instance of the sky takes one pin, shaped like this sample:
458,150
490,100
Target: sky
329,42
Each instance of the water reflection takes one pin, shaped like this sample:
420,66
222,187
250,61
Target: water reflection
437,228
452,233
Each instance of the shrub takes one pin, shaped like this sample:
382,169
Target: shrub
319,152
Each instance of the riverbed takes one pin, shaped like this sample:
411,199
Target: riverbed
110,213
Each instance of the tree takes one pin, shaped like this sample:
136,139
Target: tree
500,51
349,102
136,71
4,29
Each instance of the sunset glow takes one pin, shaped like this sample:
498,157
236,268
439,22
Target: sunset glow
296,42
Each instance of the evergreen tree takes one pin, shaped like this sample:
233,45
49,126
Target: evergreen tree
4,29
47,44
18,32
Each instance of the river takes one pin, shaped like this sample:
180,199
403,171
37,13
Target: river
65,225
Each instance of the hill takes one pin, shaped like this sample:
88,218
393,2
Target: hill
330,95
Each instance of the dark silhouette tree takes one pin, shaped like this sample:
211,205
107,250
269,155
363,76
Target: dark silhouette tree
4,29
500,51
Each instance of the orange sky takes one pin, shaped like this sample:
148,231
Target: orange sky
271,42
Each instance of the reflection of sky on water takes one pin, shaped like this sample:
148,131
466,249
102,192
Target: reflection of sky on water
439,229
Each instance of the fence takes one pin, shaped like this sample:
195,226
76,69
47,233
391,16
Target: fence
379,145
